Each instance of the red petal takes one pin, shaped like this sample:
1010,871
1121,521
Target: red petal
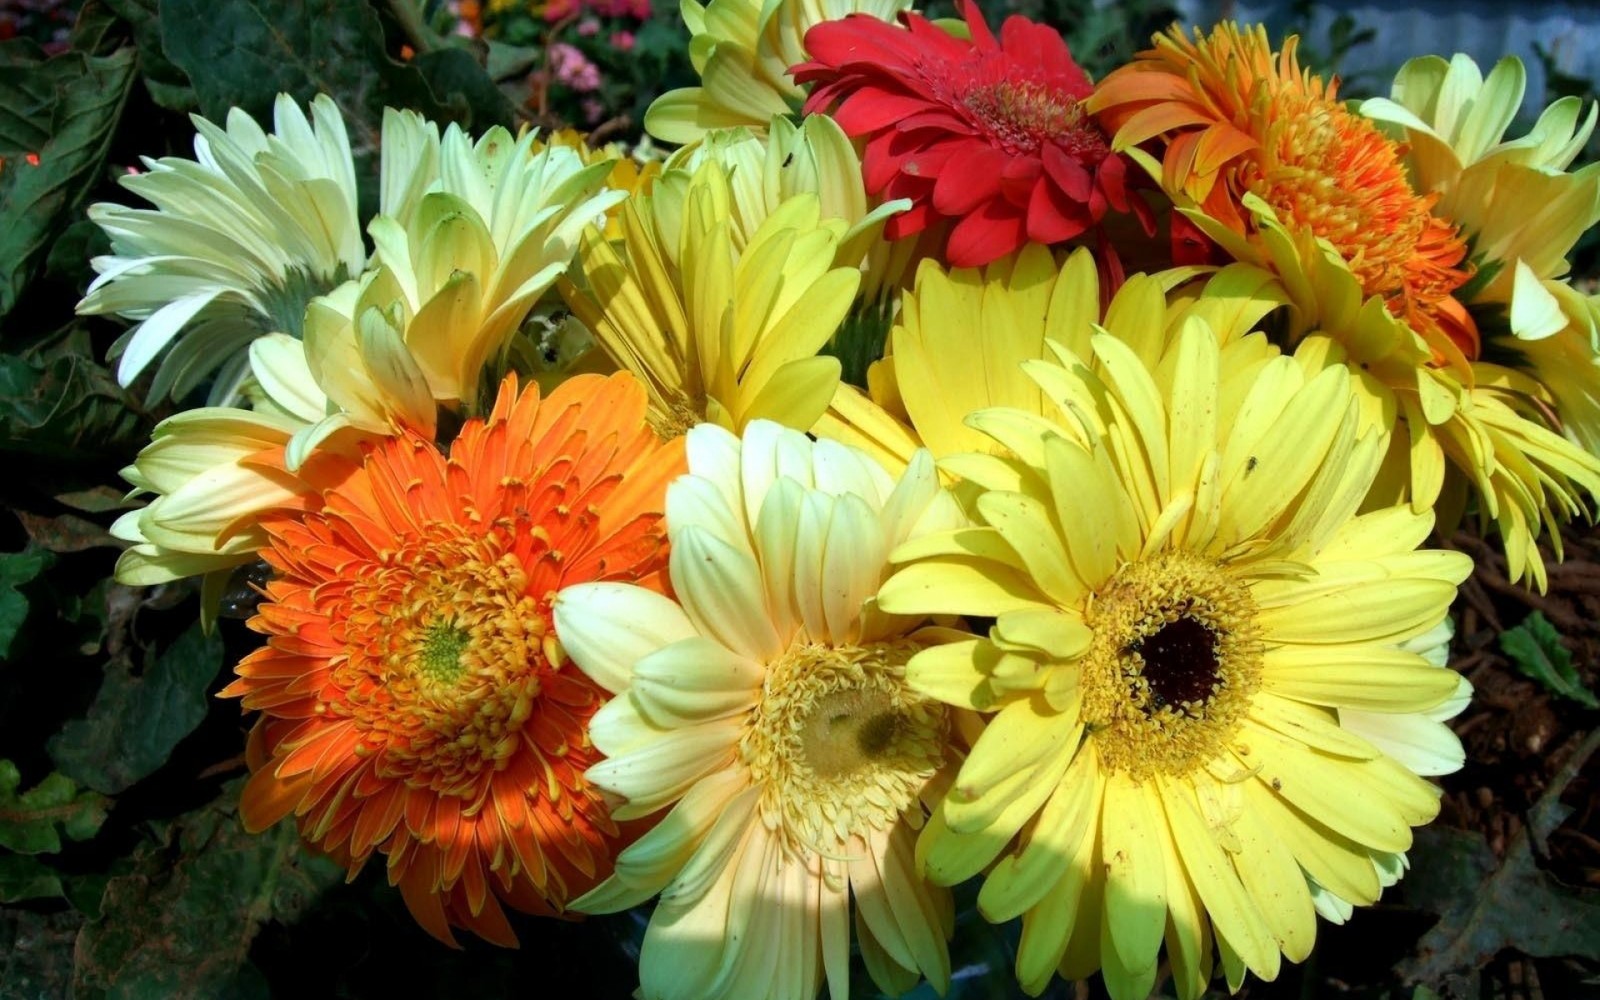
1068,173
1017,179
870,109
982,37
986,235
1053,217
970,177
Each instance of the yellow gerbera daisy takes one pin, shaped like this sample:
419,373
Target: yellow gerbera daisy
1261,156
1186,603
720,326
767,706
765,169
629,173
962,336
743,50
1523,211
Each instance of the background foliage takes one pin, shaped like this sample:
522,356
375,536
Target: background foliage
124,872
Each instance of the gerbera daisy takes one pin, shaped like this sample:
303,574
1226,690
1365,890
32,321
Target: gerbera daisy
1521,209
720,325
742,50
989,135
216,471
765,169
239,239
963,334
1265,160
463,270
1186,602
767,706
414,700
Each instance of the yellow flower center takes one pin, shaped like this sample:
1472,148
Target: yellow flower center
1175,660
444,648
839,743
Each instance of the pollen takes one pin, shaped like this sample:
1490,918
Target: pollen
840,745
1175,659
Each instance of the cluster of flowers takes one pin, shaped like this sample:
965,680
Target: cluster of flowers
592,582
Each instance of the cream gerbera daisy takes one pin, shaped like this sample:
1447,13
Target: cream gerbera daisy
743,51
721,325
767,706
240,238
1186,605
215,471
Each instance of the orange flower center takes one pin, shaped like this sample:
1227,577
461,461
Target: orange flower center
1335,174
444,653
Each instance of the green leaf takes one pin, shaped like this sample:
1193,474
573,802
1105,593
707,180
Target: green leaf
64,110
166,83
36,953
181,923
136,721
59,404
23,877
1485,907
244,52
16,569
1535,647
29,822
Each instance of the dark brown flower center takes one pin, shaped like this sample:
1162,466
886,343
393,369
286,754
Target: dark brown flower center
1180,663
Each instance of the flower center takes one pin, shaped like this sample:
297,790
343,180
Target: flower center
1334,173
1021,115
444,649
839,743
1175,659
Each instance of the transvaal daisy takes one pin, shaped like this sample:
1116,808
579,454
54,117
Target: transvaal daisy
743,50
464,269
963,334
1264,159
239,239
1186,603
988,135
767,706
414,700
216,471
721,325
1522,211
766,169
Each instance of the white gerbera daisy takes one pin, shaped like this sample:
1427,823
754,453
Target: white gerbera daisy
768,708
240,238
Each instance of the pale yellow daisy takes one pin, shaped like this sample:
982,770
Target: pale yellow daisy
767,709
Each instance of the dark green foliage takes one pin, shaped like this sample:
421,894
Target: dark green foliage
1535,647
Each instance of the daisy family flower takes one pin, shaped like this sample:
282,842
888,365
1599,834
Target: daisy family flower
988,135
767,706
720,325
1265,160
239,239
743,51
414,699
1522,210
1187,605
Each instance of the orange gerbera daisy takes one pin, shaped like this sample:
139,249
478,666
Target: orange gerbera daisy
1233,119
415,700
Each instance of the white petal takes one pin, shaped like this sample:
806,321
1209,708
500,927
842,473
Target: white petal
608,627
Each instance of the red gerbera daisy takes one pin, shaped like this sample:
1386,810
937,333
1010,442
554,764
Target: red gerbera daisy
415,700
990,134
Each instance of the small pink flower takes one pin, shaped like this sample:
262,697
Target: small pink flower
588,27
623,41
573,69
558,10
639,9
